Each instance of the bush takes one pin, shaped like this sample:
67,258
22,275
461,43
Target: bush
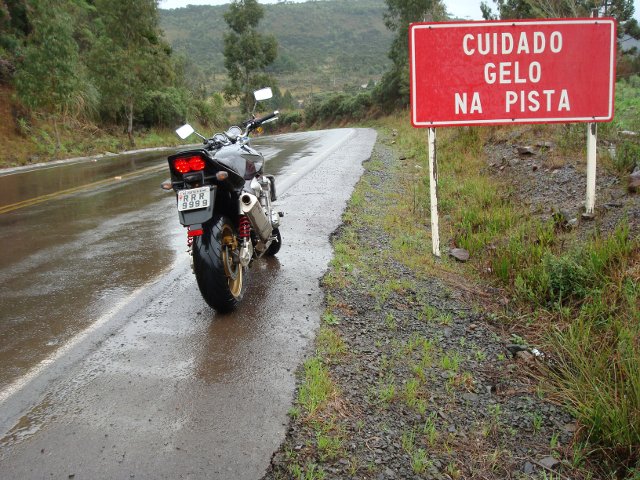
210,112
627,156
290,118
165,108
337,107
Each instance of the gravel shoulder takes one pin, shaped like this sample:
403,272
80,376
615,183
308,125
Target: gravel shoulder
419,383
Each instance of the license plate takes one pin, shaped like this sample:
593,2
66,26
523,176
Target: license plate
194,198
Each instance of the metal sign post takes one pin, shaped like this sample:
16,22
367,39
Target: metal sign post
433,188
592,138
592,148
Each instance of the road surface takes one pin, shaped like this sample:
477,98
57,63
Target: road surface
112,364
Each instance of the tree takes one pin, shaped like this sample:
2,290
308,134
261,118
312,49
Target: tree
14,27
394,87
507,10
621,10
287,101
51,77
129,58
246,52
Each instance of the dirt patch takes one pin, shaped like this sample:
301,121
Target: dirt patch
553,184
14,145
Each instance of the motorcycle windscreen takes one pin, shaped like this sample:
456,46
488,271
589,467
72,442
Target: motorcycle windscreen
198,215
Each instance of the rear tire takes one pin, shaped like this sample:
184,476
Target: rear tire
220,280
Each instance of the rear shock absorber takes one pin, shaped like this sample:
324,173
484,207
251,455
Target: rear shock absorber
244,228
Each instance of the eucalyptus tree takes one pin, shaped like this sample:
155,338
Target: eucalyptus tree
247,52
129,57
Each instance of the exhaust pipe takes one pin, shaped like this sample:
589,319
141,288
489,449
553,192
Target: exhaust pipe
251,207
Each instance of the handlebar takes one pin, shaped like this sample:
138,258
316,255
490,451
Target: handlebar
266,118
249,126
253,124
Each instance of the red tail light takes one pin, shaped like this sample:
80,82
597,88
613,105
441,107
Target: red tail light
188,164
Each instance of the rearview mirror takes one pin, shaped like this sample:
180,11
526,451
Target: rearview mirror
184,131
263,94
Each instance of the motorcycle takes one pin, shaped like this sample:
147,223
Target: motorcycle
225,200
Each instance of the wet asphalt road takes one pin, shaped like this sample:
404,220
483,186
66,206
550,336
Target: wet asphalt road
112,364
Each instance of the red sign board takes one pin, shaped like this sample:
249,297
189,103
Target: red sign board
506,72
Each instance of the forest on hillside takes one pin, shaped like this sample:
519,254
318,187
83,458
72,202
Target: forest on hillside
322,45
100,62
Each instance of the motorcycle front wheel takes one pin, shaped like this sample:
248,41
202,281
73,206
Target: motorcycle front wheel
219,277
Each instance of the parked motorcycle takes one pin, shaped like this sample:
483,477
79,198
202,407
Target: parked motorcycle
225,200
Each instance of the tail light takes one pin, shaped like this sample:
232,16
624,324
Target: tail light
196,232
188,164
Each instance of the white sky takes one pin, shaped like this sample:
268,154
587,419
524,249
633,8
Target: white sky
469,9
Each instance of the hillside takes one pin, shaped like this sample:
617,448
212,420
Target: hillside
323,45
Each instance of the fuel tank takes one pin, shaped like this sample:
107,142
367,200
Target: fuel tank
243,159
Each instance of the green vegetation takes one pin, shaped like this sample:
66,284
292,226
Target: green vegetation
317,386
323,46
52,79
73,70
394,87
628,104
587,295
622,10
246,52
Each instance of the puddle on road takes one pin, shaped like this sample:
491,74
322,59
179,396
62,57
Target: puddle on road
66,263
27,184
29,424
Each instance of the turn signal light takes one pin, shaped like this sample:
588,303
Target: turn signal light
188,164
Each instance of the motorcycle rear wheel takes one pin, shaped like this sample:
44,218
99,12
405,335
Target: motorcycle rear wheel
219,278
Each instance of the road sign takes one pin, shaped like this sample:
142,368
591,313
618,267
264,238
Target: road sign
508,72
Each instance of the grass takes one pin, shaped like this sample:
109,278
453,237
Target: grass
419,461
36,142
329,446
386,392
330,344
582,298
429,430
450,362
316,387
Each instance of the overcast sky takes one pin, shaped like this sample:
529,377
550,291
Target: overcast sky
469,9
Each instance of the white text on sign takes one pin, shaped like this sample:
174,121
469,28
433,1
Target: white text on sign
505,73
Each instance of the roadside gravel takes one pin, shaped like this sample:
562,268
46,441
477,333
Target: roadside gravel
423,385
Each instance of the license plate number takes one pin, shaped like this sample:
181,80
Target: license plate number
194,198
